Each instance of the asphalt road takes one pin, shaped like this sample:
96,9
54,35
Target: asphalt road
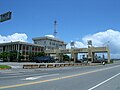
102,77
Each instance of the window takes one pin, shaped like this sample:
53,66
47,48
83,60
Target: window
35,48
23,47
23,52
27,53
44,42
53,43
27,48
32,48
50,43
35,42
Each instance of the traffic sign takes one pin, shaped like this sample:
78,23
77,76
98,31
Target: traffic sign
5,16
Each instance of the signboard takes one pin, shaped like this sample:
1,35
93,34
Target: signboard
90,42
5,16
72,43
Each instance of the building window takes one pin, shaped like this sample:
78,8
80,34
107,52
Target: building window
50,43
35,48
27,53
27,48
53,43
23,52
20,47
35,42
44,42
32,48
23,47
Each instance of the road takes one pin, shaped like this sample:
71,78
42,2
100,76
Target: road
101,77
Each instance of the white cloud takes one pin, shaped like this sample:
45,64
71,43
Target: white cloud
13,37
77,44
50,36
109,37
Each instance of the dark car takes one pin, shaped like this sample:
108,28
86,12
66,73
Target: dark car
100,61
44,59
1,60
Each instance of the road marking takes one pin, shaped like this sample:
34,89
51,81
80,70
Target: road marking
14,74
55,79
104,82
33,78
21,75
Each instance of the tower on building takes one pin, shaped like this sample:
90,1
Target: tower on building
55,28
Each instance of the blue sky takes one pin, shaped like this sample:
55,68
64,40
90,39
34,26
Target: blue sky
76,18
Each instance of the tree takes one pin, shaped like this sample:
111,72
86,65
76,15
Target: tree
5,56
0,55
20,57
41,54
13,55
31,56
66,57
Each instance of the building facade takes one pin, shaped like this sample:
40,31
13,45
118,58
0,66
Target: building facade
23,48
50,43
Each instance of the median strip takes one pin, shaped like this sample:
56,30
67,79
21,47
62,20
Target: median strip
2,67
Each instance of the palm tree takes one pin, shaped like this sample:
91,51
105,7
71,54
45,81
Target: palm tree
5,56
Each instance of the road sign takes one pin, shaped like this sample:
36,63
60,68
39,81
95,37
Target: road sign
5,16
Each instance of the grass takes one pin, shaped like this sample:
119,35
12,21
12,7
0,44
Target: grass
4,67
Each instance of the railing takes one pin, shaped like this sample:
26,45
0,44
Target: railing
52,65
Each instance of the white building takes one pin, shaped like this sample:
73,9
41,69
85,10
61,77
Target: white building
50,43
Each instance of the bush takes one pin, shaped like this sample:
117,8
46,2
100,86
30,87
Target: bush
5,67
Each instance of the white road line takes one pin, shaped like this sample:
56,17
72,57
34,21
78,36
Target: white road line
104,82
18,73
21,76
37,77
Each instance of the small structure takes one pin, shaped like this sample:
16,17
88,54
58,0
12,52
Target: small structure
74,52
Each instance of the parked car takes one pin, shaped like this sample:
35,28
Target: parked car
100,61
1,60
44,59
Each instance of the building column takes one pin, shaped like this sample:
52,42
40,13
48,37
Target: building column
93,57
61,56
89,54
21,49
25,52
58,55
18,52
108,56
75,57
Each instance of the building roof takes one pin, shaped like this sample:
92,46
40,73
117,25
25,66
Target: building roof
19,42
49,38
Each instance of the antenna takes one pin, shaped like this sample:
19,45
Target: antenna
55,28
